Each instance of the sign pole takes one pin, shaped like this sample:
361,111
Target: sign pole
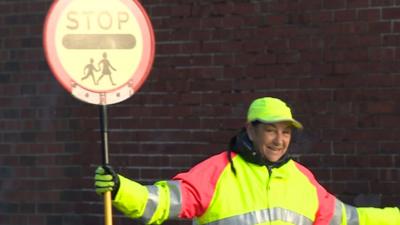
105,160
104,133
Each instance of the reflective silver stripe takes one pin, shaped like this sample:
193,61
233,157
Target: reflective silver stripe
337,216
352,215
175,199
151,204
265,215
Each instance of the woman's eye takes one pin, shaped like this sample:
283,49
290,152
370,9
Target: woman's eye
287,132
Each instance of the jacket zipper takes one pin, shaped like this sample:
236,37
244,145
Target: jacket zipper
269,168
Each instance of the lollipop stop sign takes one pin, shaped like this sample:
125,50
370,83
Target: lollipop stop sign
101,51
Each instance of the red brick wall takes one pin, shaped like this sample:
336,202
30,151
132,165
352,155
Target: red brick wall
336,62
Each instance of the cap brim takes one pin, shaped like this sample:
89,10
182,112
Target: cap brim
296,124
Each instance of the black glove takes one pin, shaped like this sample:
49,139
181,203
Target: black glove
106,179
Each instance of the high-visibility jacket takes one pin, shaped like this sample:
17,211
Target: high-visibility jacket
211,193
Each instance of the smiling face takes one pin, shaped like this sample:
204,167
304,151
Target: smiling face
271,140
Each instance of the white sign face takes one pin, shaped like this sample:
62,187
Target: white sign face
100,51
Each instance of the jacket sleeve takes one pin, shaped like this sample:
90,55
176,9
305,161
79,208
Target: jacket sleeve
332,211
349,215
153,204
379,216
187,195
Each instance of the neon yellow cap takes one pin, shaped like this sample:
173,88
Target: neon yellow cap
271,110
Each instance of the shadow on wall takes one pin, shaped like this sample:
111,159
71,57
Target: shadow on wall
368,200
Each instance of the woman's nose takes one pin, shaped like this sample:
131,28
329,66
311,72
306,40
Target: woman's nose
278,140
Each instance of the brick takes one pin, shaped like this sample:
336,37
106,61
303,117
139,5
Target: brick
380,107
243,59
288,57
18,219
380,27
367,174
254,46
310,56
279,6
225,8
36,219
384,161
389,147
382,54
159,11
357,187
319,17
389,175
343,174
391,40
211,22
311,161
326,4
368,147
376,3
386,120
357,3
54,220
396,27
369,14
387,187
312,5
338,28
391,13
262,59
276,20
333,134
368,121
231,46
344,15
170,48
300,69
345,121
180,10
